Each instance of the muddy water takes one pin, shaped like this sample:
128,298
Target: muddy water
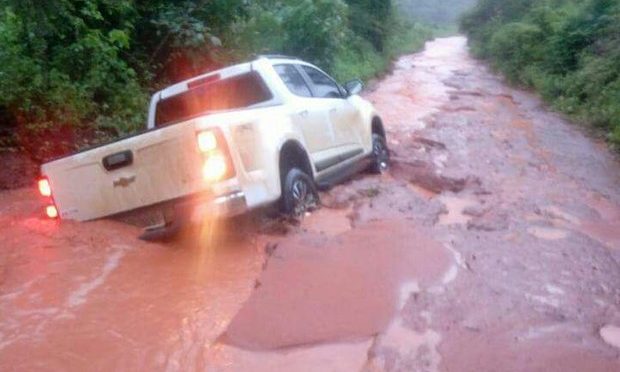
90,296
493,245
320,289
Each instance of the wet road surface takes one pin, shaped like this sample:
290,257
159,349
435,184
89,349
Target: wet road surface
493,244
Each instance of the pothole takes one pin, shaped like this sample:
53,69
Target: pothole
426,194
318,289
350,356
405,349
425,175
330,222
547,233
455,207
429,143
611,335
556,214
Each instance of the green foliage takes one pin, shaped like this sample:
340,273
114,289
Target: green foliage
371,20
78,72
568,50
310,29
363,61
355,38
516,43
60,66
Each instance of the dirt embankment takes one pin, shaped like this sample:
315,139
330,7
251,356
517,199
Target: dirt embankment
18,170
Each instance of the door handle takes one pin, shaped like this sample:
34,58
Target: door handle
303,113
118,160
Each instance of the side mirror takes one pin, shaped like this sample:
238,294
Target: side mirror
354,87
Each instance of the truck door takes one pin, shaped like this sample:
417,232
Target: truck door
312,117
343,115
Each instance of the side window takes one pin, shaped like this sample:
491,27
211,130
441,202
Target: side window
324,86
293,80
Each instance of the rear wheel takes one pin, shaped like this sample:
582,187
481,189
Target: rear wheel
380,155
299,194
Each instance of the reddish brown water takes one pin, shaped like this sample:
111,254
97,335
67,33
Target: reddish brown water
320,289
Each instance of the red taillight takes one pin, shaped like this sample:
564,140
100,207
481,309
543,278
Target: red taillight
44,187
217,164
51,211
207,141
215,167
46,191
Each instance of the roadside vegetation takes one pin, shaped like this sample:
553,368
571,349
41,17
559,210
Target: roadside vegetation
568,50
74,73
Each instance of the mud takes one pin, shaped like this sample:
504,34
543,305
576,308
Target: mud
493,244
611,335
90,296
317,289
543,210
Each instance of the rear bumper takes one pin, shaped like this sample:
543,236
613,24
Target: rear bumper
227,205
194,211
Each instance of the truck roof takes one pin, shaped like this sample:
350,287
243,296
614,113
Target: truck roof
224,73
259,63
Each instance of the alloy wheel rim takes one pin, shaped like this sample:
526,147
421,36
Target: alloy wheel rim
303,198
381,155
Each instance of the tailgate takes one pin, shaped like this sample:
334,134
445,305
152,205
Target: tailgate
139,171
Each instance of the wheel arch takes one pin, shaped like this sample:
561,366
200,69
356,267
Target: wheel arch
376,126
292,154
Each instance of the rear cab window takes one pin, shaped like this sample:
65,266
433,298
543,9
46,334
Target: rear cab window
237,92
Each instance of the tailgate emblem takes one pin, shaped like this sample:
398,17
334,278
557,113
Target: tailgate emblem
124,181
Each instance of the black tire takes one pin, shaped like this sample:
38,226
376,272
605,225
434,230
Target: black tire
380,155
299,193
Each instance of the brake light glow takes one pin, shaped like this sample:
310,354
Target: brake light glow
216,161
207,141
215,167
44,187
51,211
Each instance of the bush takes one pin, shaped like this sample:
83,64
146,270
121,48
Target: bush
515,45
361,60
568,50
74,73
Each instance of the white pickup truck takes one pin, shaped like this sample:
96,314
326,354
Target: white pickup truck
258,133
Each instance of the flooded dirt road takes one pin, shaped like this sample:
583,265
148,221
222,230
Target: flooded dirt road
492,245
